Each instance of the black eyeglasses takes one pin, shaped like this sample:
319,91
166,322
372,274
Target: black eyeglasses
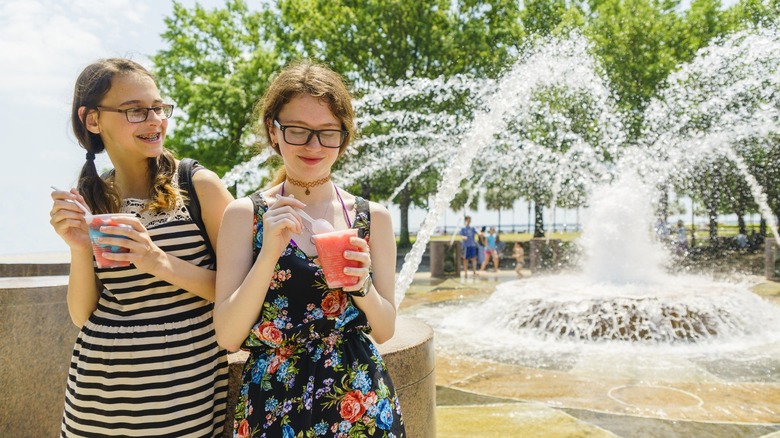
138,115
299,136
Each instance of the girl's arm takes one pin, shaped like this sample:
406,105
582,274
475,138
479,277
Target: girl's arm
83,287
150,258
241,284
214,199
68,221
379,303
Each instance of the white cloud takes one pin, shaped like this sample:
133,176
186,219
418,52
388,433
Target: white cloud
45,43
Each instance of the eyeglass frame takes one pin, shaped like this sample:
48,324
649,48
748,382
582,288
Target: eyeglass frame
312,132
146,117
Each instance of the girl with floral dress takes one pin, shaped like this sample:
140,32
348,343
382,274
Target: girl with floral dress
312,370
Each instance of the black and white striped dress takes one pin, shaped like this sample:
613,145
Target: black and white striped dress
147,362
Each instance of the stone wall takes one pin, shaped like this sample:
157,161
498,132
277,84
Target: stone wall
35,352
38,338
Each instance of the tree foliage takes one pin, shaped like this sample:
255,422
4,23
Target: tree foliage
218,62
640,42
216,66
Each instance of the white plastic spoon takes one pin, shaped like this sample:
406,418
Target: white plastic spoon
87,213
318,226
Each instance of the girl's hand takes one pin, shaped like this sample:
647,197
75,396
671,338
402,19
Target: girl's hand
68,220
143,252
364,257
279,223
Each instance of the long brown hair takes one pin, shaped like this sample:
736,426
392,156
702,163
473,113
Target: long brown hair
304,77
101,195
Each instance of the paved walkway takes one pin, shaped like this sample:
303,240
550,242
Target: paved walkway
478,397
485,398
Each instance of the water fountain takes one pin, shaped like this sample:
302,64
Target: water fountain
622,327
645,343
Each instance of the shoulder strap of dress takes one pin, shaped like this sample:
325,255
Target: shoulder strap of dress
259,207
258,202
363,217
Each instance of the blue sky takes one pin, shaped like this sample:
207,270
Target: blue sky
45,45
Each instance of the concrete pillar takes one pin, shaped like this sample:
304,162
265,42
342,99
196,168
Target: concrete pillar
35,352
771,259
440,251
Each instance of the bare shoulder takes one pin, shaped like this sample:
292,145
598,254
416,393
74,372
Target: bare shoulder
206,176
380,216
209,185
378,210
239,207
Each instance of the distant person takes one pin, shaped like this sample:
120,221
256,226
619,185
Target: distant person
754,240
146,362
662,230
742,240
518,253
682,238
491,249
481,243
468,234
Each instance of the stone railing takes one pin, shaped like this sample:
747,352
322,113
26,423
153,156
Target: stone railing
38,338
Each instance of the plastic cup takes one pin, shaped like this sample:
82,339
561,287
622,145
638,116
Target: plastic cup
330,254
95,222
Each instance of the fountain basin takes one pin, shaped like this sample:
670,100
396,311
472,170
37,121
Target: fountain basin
675,310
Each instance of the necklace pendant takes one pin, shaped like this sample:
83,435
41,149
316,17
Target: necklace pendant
307,191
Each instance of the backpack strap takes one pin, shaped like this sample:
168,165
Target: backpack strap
187,168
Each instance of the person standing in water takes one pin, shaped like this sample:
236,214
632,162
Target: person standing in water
469,235
146,361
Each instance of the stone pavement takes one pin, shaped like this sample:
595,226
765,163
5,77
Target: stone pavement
484,398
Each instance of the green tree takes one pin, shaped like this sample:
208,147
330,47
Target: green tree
217,64
753,13
501,197
551,17
641,41
379,43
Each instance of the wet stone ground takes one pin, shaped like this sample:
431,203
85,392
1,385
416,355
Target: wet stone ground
479,397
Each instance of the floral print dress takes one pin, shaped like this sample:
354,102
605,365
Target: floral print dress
312,371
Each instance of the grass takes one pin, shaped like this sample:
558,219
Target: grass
510,237
702,233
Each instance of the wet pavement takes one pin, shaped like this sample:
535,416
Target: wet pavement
480,397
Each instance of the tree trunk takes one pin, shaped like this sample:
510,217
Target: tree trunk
762,227
404,200
713,213
741,207
663,203
539,219
365,189
711,196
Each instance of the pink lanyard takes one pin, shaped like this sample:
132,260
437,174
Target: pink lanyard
343,207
